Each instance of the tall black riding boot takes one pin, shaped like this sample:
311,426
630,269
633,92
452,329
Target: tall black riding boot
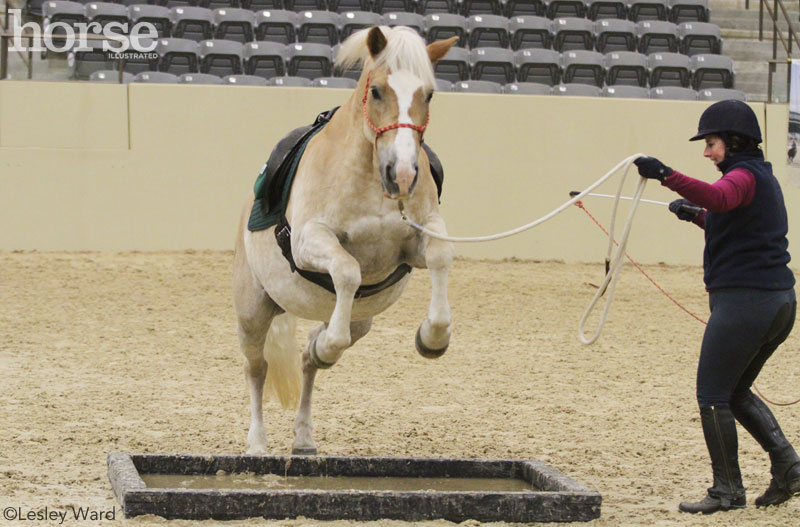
757,419
719,429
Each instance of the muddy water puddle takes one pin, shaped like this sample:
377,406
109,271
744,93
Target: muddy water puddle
277,482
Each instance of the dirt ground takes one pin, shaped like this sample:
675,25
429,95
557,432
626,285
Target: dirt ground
137,352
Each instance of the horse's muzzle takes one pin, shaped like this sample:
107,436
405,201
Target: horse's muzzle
399,180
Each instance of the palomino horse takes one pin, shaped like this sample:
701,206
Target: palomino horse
344,219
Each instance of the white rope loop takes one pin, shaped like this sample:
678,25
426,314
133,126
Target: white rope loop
615,262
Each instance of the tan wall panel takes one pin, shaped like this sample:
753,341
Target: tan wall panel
63,115
196,150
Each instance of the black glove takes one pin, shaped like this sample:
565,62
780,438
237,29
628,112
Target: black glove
684,209
652,168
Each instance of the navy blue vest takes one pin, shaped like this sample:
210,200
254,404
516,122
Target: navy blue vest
747,246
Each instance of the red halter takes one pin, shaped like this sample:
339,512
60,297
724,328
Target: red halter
379,131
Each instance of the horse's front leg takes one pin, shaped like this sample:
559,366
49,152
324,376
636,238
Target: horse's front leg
304,444
433,335
317,249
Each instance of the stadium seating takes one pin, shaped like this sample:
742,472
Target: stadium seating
700,37
673,92
90,58
345,6
719,94
276,26
195,23
600,9
573,33
310,60
156,15
711,71
487,31
524,8
234,24
265,59
244,80
626,67
320,27
221,57
528,88
177,55
625,92
110,76
538,65
657,35
565,8
199,78
439,26
478,87
390,6
412,20
299,82
155,77
577,90
444,85
334,82
614,35
482,7
530,32
647,10
583,66
493,64
669,69
352,21
437,6
454,66
104,13
688,11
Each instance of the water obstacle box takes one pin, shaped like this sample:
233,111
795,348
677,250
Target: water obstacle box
222,487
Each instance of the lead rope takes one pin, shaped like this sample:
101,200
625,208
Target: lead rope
614,260
665,293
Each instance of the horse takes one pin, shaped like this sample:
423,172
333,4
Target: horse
345,226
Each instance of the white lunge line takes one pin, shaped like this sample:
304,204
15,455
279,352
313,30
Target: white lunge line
614,262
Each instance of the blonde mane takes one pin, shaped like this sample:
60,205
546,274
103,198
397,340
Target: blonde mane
405,50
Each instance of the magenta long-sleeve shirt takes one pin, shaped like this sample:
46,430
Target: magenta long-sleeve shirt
735,189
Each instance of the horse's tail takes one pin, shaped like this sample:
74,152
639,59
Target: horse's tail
284,367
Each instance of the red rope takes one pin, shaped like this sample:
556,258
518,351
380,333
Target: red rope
579,204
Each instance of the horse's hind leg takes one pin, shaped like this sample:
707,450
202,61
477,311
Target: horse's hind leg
255,311
303,427
433,335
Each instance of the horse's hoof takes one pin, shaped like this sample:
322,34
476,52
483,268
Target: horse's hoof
315,360
308,451
425,351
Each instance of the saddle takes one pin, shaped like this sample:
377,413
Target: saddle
274,184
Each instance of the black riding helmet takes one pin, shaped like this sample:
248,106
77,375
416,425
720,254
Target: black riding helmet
731,117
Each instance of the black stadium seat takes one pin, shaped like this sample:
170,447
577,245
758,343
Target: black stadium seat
478,87
493,64
265,59
530,32
538,65
221,57
626,92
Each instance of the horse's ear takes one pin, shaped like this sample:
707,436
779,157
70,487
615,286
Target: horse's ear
376,41
440,48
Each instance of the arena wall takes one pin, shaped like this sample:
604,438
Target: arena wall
87,166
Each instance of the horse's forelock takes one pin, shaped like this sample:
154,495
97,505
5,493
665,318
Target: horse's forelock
405,50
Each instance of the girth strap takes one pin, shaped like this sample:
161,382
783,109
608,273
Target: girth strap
283,235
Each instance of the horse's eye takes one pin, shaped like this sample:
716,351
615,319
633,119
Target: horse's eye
376,94
429,97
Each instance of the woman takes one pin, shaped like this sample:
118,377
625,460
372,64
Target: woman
751,295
